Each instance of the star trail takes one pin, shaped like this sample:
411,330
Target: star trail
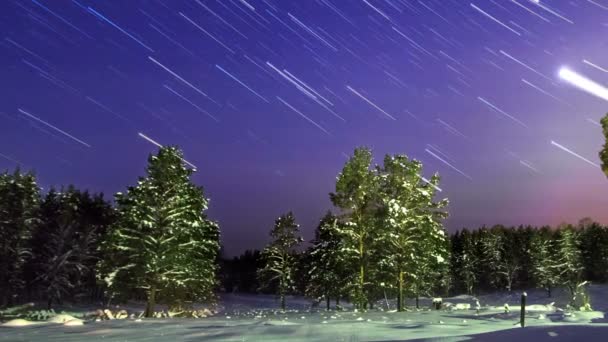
502,98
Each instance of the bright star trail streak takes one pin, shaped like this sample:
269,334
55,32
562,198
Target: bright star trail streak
177,76
370,102
429,183
583,83
150,140
53,127
416,45
377,10
594,65
107,109
448,164
494,19
598,5
99,15
594,122
61,18
26,50
221,19
501,111
171,39
574,154
542,90
307,86
190,102
530,11
311,32
304,116
452,129
524,65
241,83
207,33
526,164
10,159
539,4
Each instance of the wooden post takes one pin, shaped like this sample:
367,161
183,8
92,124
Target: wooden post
522,316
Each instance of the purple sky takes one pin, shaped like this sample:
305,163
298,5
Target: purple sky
265,143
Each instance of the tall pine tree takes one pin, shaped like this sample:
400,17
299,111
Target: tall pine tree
356,196
413,235
162,241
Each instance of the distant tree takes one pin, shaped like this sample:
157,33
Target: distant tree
240,273
499,256
19,205
467,262
162,241
355,195
279,256
604,152
594,252
569,262
543,252
326,271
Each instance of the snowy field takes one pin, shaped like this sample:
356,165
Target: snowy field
257,318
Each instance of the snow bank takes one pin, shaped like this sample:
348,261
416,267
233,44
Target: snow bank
18,323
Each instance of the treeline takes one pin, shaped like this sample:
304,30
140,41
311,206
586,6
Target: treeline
49,242
385,240
155,243
481,261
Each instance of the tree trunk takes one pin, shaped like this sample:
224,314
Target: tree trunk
49,303
337,300
417,301
549,291
327,302
151,302
282,301
400,294
362,301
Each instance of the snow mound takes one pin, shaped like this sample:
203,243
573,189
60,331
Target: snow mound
583,316
461,306
280,323
61,318
18,323
540,308
74,322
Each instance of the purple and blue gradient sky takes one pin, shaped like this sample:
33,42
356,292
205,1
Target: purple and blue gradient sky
83,66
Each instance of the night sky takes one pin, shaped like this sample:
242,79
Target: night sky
268,98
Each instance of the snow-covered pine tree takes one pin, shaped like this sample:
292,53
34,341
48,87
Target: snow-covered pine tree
278,256
569,263
413,237
19,204
543,260
326,269
356,196
162,242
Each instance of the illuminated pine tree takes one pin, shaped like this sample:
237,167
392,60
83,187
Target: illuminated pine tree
413,239
162,241
356,196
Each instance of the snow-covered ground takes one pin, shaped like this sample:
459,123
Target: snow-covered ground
257,318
